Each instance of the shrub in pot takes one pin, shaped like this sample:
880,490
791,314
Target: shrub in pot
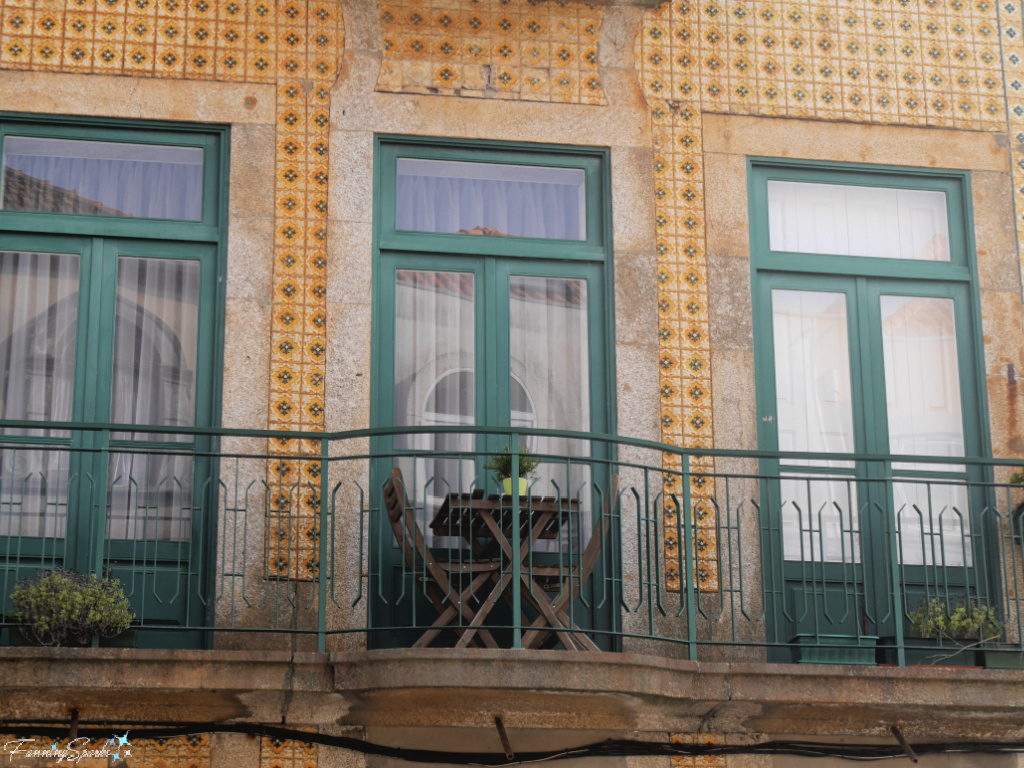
62,608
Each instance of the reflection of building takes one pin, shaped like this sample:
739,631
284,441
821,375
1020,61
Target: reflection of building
715,226
23,192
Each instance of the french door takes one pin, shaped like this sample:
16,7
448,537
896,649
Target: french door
484,341
868,365
108,330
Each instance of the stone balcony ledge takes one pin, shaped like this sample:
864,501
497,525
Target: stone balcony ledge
532,689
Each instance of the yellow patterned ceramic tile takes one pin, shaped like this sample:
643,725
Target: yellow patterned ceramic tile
915,62
284,753
296,44
506,49
182,752
697,761
1012,28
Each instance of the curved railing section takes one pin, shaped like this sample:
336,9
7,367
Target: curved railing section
405,538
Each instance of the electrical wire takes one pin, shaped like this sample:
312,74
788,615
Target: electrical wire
608,748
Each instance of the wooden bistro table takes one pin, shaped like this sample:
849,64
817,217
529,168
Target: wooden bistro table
485,523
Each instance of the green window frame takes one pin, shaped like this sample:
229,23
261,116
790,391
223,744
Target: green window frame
863,280
146,567
489,263
493,253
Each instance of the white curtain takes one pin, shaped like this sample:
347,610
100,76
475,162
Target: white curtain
102,178
517,201
155,337
38,311
154,362
435,382
814,411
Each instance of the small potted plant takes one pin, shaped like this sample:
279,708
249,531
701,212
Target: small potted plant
501,465
960,628
64,608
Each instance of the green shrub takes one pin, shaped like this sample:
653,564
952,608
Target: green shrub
966,621
62,607
1017,478
501,463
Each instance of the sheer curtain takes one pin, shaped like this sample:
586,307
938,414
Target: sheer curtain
435,382
487,199
102,178
155,351
814,407
38,311
922,386
549,361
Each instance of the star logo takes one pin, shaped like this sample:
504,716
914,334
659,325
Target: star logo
122,741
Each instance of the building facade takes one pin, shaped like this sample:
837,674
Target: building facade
746,275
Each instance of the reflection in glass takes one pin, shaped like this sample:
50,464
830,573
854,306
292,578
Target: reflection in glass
846,220
149,497
102,178
549,360
156,334
922,390
490,199
922,377
38,332
435,382
933,523
812,373
820,519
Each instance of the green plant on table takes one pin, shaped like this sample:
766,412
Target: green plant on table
501,463
61,607
967,620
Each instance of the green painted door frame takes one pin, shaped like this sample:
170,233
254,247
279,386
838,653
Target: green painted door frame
493,262
867,596
169,582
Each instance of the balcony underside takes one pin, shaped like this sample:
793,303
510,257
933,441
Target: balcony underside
552,691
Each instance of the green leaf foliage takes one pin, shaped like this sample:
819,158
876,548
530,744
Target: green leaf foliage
965,621
501,463
62,607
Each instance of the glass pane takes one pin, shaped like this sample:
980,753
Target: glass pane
844,220
101,178
149,497
33,492
550,384
933,523
812,373
820,519
490,199
922,378
155,344
38,331
435,382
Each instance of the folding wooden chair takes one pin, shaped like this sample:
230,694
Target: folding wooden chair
450,586
554,618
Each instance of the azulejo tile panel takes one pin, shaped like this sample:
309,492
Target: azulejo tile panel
913,62
297,45
191,751
533,50
1011,23
285,753
697,761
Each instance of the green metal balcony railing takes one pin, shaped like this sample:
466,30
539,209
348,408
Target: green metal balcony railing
260,539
